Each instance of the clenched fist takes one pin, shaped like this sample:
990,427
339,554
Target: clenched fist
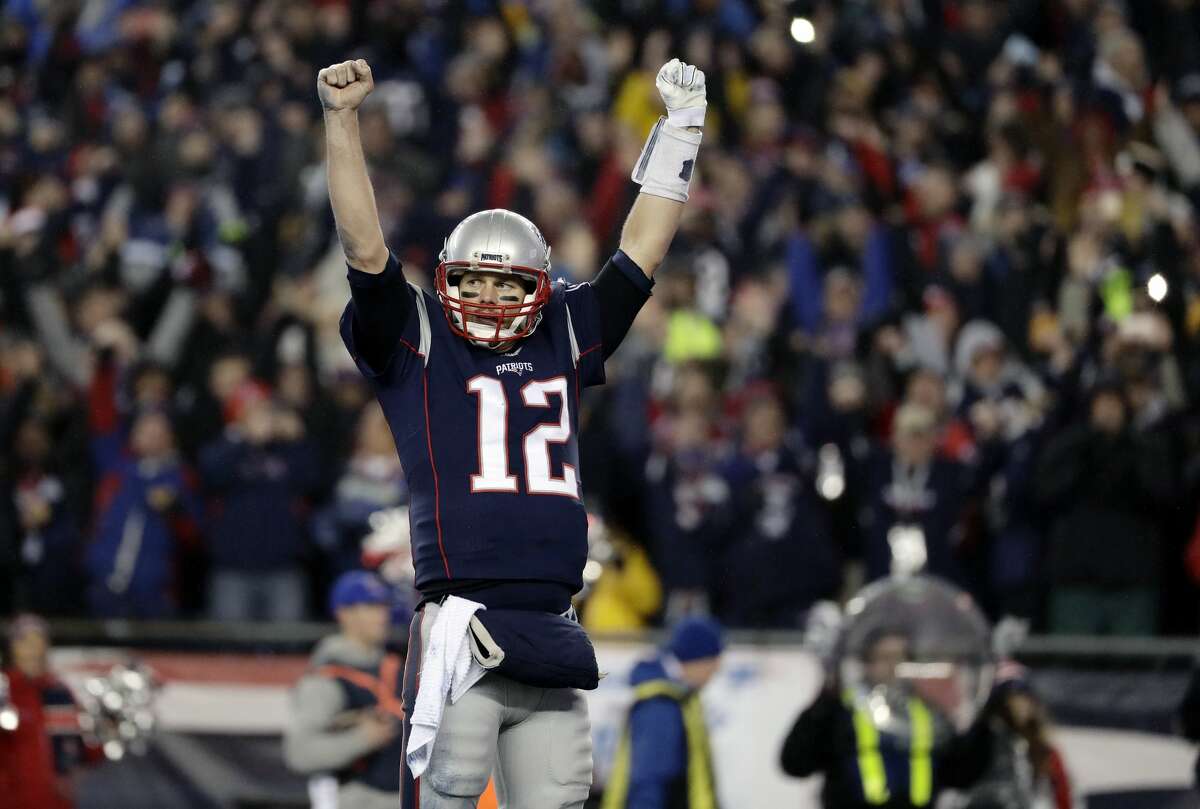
682,89
344,86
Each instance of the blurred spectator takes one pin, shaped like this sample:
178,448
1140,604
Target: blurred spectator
1026,769
997,397
857,288
689,513
1000,402
40,756
347,708
691,335
779,558
48,526
664,758
387,551
204,418
914,502
1105,485
927,388
372,482
259,474
621,588
146,511
44,472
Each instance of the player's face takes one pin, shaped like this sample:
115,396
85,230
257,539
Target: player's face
492,288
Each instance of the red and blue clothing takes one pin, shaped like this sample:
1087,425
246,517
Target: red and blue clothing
44,747
131,560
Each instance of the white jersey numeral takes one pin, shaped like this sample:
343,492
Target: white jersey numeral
493,474
537,441
493,437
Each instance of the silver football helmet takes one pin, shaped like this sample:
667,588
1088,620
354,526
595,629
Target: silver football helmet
495,241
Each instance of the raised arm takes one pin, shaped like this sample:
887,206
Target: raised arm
342,87
381,303
649,229
665,166
664,171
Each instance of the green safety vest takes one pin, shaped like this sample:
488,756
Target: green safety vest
701,789
870,760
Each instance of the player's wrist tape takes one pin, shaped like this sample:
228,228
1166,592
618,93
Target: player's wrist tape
687,116
665,166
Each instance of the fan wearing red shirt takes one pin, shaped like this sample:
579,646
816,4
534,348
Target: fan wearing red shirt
37,757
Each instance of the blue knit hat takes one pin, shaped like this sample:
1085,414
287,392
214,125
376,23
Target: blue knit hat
358,587
695,638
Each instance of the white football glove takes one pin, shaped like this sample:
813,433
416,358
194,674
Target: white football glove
682,89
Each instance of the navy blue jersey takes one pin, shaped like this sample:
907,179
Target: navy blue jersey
489,441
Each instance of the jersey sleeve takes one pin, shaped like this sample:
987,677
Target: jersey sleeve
583,323
362,332
622,288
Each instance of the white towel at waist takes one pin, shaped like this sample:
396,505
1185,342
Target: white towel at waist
448,669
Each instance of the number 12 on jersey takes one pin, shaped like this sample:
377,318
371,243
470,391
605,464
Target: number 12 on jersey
493,474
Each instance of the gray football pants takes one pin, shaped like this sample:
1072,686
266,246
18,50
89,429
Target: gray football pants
538,740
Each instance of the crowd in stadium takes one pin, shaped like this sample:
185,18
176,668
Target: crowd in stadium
935,301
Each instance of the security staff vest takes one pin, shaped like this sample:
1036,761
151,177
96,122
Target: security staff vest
696,789
380,689
872,768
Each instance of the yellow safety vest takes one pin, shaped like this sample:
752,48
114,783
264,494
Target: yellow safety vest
702,793
870,760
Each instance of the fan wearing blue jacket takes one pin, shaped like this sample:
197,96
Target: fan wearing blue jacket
663,759
146,510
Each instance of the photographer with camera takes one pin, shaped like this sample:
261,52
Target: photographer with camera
881,751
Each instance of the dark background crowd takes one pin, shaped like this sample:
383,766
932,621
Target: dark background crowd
935,302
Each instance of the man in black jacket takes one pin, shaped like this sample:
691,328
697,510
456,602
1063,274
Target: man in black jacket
1104,484
895,764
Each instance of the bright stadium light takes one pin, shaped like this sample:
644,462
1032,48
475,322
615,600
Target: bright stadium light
1156,287
831,476
802,30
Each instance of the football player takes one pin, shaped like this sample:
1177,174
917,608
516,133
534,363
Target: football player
480,383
